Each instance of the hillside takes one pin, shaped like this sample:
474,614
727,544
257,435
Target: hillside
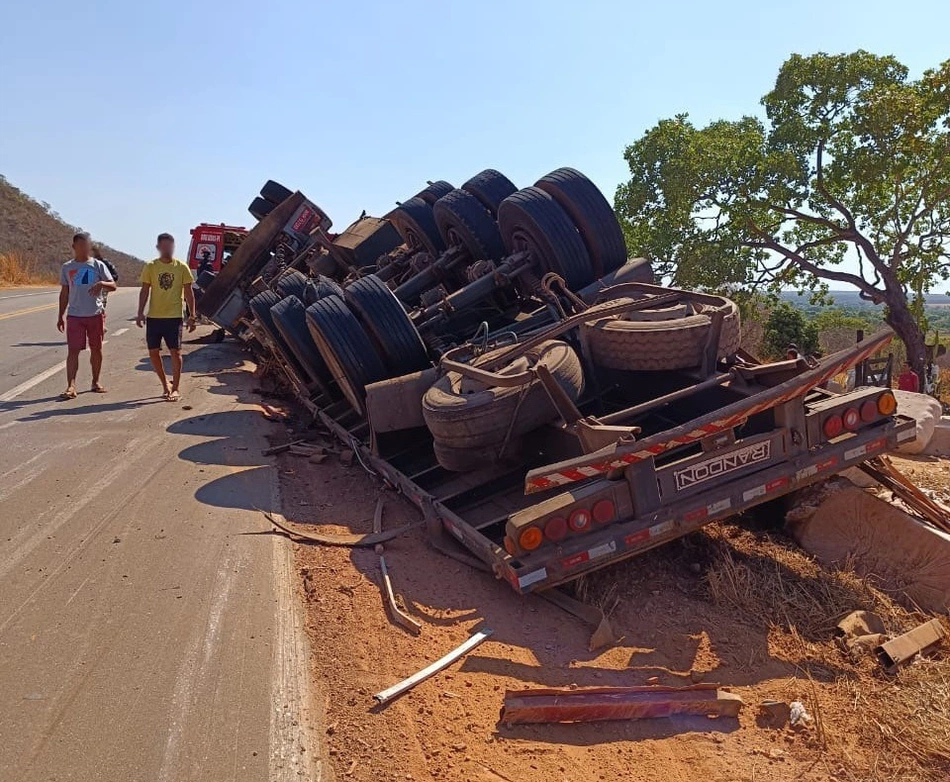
39,236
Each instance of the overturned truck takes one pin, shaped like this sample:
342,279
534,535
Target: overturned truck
493,354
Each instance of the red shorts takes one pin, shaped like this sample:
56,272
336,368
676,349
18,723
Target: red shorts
78,330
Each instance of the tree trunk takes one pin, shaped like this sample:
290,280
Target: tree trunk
901,319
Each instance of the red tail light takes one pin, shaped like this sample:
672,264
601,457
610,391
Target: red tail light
579,520
869,411
833,426
851,419
603,511
555,529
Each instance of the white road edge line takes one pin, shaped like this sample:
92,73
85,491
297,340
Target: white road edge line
119,333
294,724
26,385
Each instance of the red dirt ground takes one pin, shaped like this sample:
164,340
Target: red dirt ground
677,630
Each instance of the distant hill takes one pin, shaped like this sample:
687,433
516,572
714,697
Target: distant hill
33,231
850,299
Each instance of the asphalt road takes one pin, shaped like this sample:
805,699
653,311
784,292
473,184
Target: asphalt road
144,634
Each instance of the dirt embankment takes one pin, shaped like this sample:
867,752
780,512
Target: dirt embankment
738,605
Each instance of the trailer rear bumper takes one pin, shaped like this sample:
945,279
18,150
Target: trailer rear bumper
554,564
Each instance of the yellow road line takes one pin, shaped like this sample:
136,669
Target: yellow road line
28,310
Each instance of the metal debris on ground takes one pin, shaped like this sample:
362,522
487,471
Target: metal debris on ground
349,540
399,616
431,670
885,473
617,703
906,647
275,449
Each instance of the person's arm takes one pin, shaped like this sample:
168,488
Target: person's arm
143,300
63,303
190,301
105,283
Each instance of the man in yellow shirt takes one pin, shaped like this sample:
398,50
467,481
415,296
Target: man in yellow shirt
166,280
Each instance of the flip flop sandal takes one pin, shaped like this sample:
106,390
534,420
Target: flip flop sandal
68,395
98,389
173,396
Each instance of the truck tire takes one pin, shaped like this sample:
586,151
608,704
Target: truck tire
346,349
592,214
491,188
292,283
261,305
434,191
260,208
320,287
385,321
531,220
466,418
415,223
660,340
471,459
275,192
463,221
290,319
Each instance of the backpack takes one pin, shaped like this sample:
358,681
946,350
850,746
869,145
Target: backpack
112,270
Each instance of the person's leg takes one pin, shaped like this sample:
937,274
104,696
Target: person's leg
173,340
75,344
176,369
153,339
95,330
155,356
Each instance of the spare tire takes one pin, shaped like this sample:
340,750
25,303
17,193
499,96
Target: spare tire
290,319
260,208
669,338
491,188
260,305
292,283
463,221
434,191
531,220
460,416
385,320
471,459
415,223
591,214
346,349
275,192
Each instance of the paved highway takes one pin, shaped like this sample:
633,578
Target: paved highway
143,634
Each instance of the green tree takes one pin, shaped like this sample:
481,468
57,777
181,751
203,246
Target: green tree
848,181
787,326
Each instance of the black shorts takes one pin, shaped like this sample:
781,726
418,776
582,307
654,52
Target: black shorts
158,329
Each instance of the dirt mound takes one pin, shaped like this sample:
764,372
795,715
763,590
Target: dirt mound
39,239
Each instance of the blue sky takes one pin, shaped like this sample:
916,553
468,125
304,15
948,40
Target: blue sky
132,118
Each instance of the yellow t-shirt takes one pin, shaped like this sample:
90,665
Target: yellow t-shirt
167,280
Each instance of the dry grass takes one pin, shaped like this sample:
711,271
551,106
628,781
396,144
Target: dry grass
16,269
872,726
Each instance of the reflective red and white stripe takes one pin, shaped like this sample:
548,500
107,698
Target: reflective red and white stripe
571,474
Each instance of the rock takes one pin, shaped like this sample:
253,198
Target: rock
939,444
926,411
875,537
346,456
774,714
859,478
